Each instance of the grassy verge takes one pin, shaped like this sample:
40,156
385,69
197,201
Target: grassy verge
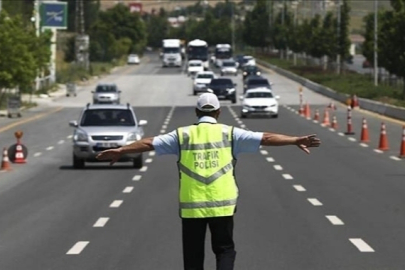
349,82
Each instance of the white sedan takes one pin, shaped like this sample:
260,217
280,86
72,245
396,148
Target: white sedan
259,101
133,59
201,80
194,66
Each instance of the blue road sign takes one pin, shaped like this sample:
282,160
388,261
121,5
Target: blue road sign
54,15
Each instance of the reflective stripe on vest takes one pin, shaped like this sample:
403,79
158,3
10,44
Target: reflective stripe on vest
206,166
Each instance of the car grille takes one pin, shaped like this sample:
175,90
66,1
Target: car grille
259,107
99,148
107,138
220,92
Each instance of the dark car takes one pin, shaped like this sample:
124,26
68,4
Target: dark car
239,60
250,70
223,88
254,81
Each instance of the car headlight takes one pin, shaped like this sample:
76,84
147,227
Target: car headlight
133,137
246,107
244,73
258,73
80,136
274,105
231,90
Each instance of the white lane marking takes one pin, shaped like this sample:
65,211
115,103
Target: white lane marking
128,190
364,145
136,178
361,245
162,131
152,153
269,159
37,154
77,248
335,220
287,176
166,122
299,188
116,204
278,167
164,126
314,201
49,148
69,137
378,151
237,119
395,158
351,139
242,126
315,121
332,129
61,141
341,134
101,222
264,152
144,169
149,160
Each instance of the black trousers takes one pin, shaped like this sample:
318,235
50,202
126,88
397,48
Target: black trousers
222,244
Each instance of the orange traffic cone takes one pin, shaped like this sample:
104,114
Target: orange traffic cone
5,162
326,120
301,110
334,123
349,122
383,145
402,151
316,115
364,132
19,154
307,111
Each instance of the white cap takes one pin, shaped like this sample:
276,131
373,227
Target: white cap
208,102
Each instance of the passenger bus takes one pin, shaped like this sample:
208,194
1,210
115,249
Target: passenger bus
197,49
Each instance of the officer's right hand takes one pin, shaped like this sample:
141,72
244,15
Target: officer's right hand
308,141
111,154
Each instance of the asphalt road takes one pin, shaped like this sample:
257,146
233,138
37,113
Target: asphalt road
341,207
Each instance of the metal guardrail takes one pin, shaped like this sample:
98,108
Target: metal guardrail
366,104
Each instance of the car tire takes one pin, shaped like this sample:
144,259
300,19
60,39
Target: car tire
138,162
194,93
78,163
242,115
274,116
233,100
222,74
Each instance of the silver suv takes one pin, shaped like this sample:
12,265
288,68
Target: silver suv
104,127
106,93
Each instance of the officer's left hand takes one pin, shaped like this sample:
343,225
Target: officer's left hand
111,154
308,141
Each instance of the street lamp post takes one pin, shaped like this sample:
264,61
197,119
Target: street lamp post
375,42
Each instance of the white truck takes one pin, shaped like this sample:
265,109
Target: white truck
171,53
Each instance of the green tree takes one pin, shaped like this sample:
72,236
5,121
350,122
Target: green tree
343,38
256,27
91,9
158,29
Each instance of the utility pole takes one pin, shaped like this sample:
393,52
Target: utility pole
376,42
233,27
338,39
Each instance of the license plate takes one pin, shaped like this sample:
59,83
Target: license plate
220,96
106,144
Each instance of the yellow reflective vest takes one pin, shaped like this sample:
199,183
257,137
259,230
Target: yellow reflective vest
206,166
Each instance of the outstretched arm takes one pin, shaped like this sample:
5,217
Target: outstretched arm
114,155
303,142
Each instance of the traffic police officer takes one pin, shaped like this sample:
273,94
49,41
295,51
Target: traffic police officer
207,154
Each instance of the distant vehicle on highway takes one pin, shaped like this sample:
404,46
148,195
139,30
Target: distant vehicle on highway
259,101
239,60
197,49
250,70
171,53
223,88
222,52
102,127
202,80
133,59
229,67
254,81
106,93
248,61
194,66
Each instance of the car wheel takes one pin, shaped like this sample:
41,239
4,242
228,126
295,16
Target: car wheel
222,74
274,116
94,101
78,163
233,100
194,93
242,115
138,162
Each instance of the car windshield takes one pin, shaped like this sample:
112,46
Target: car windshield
107,117
251,68
259,95
106,89
228,64
258,82
194,64
133,55
205,76
171,50
225,82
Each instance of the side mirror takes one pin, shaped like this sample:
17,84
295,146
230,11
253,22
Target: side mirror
271,84
73,123
119,91
277,97
235,84
142,123
92,92
241,97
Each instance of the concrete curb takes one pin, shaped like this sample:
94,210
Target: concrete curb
365,104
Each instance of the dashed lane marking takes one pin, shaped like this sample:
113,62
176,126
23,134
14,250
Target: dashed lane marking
149,160
69,137
101,222
162,131
37,154
278,167
49,148
361,245
299,188
341,134
287,176
264,152
144,169
78,248
136,178
242,126
270,159
335,220
116,204
363,145
128,190
61,141
378,151
352,139
395,158
152,153
314,202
